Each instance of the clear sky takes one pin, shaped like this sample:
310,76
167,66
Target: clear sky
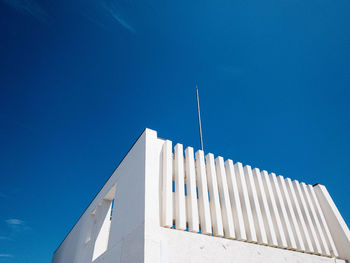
81,79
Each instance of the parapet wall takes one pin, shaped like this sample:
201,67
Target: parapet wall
210,196
167,205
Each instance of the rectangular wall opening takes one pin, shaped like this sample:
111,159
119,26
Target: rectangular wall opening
103,219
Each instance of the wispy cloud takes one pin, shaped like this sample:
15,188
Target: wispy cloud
113,10
28,7
17,227
14,221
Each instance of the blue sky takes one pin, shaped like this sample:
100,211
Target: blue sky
80,80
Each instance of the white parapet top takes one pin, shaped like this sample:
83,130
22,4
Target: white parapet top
221,208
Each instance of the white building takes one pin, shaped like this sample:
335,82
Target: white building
166,205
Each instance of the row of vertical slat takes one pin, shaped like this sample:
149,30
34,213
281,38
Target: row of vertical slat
209,196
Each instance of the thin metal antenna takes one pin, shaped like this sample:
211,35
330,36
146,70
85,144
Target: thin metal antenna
199,118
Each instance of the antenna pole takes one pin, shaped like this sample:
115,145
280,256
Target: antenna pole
199,118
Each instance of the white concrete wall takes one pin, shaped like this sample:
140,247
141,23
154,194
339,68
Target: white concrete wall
185,247
223,201
96,238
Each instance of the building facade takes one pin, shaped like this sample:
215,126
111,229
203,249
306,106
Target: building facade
164,204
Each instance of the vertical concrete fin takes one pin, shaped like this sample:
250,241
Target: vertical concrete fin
191,198
267,217
337,226
290,212
276,219
235,201
203,201
315,221
180,201
167,183
245,202
300,219
283,213
254,202
323,224
214,200
307,217
227,219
